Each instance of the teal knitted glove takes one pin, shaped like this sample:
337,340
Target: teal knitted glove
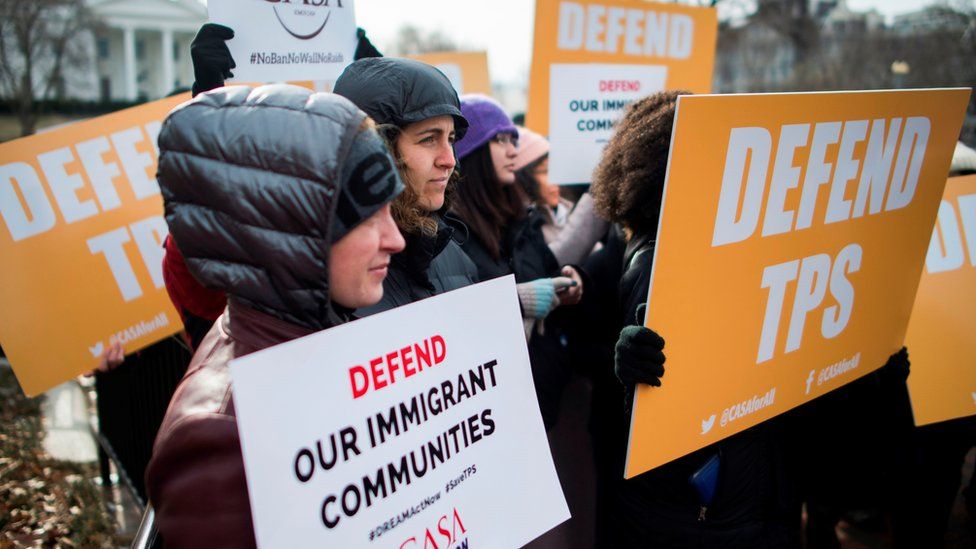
538,297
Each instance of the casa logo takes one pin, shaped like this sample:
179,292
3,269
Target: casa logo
448,533
304,19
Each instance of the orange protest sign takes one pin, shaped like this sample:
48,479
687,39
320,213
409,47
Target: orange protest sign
82,245
591,58
790,244
467,70
940,335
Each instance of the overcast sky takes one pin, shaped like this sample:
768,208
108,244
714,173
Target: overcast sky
502,27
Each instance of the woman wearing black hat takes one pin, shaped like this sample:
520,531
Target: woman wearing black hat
288,271
197,305
420,117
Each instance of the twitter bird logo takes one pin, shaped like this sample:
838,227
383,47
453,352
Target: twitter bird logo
707,424
97,349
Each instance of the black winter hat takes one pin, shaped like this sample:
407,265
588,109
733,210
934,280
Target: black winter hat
400,92
258,183
370,181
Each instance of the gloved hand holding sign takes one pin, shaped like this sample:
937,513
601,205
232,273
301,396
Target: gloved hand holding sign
639,354
212,61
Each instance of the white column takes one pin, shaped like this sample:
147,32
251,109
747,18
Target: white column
129,47
167,62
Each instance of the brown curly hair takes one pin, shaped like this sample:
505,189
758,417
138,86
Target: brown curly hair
629,182
409,217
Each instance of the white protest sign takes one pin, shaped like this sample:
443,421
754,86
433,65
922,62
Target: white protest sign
414,428
288,40
587,100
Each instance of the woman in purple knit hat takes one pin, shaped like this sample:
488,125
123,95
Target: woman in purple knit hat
506,238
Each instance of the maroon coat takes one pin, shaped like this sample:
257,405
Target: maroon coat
254,204
195,479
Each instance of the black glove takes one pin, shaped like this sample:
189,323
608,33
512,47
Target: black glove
639,356
212,61
896,370
364,48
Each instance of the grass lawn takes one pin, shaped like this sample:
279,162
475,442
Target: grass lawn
10,127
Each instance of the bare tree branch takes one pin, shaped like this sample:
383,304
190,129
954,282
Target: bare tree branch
38,39
411,40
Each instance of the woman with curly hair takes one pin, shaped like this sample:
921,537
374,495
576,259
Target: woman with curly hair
752,504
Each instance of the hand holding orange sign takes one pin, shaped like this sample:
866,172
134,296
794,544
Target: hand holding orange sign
82,241
801,220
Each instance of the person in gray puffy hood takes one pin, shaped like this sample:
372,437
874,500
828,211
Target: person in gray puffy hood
420,117
279,197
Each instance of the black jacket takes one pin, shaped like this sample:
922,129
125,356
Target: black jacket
525,254
429,265
754,505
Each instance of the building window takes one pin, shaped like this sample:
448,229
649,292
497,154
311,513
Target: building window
105,87
102,45
140,49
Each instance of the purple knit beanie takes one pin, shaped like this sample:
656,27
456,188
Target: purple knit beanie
486,119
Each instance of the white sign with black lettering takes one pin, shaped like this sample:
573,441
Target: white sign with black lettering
288,40
586,100
414,428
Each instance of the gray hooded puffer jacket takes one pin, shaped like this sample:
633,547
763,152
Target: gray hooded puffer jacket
255,209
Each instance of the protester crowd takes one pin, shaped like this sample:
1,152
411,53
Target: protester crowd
291,212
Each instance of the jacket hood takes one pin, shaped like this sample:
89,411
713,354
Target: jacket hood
400,92
259,182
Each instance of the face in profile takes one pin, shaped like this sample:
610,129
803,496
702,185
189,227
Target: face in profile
504,147
359,260
547,191
427,152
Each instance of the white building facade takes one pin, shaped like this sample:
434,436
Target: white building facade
140,50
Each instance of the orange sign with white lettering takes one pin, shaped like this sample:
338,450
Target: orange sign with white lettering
940,340
592,58
791,240
467,70
81,240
